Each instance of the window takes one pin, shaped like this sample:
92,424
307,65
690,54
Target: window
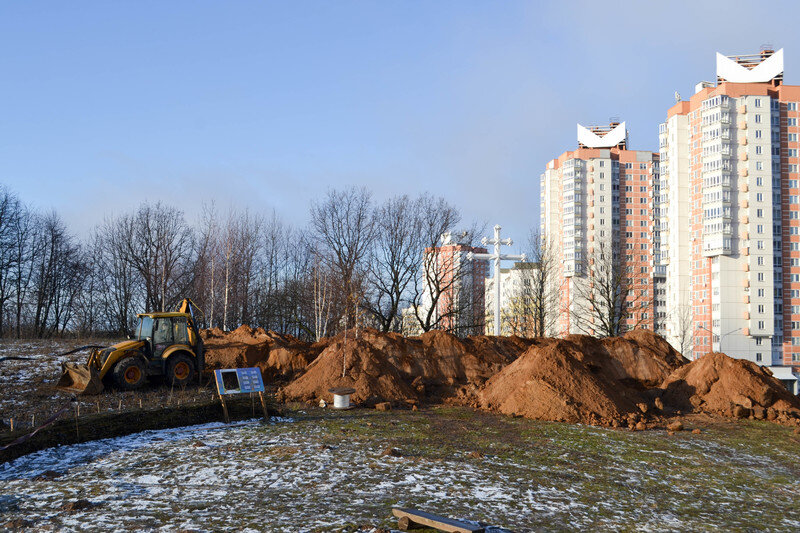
758,357
757,102
758,150
758,118
791,106
162,333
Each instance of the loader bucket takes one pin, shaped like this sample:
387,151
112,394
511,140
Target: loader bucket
79,379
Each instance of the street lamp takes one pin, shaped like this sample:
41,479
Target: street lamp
722,337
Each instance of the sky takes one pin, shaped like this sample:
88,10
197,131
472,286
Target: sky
267,105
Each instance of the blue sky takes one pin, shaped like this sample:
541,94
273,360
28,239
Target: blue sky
265,105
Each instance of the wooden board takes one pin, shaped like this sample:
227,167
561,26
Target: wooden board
410,517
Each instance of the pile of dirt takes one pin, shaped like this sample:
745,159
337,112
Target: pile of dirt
639,358
279,356
719,384
564,380
636,380
356,364
433,366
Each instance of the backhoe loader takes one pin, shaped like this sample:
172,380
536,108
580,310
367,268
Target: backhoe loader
165,344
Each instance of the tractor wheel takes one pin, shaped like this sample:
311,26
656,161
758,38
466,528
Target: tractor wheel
130,373
180,370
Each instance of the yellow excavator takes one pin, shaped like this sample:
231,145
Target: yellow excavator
165,344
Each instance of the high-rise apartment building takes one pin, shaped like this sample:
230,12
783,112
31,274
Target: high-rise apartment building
729,227
598,217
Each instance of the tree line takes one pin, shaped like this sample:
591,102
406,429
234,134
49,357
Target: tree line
358,262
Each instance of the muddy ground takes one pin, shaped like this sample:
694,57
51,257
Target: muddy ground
27,392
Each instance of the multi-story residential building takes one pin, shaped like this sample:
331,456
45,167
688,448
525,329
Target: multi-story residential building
518,300
452,296
730,230
598,215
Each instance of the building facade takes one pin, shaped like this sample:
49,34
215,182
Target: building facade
453,296
730,230
599,215
519,300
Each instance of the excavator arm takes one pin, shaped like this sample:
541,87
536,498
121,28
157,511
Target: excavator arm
188,306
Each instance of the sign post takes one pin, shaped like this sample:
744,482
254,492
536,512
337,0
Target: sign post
239,381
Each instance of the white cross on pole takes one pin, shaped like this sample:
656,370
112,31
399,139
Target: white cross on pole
496,257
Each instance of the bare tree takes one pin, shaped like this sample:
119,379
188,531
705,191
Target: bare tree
394,259
322,300
610,296
58,278
10,212
343,230
27,246
159,245
684,329
116,276
444,296
544,290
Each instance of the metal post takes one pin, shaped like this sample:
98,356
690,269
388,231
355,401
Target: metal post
497,280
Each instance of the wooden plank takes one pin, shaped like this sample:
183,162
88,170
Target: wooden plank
416,517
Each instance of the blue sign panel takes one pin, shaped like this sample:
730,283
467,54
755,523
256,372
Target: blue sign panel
239,380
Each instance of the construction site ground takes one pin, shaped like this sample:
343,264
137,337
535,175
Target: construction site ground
313,469
27,393
323,470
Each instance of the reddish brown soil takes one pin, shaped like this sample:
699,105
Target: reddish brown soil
632,379
368,371
390,367
637,380
722,385
280,357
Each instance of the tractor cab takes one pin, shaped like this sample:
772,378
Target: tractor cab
166,333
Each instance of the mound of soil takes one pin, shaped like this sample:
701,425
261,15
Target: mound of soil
366,369
631,380
565,380
719,384
280,357
433,366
